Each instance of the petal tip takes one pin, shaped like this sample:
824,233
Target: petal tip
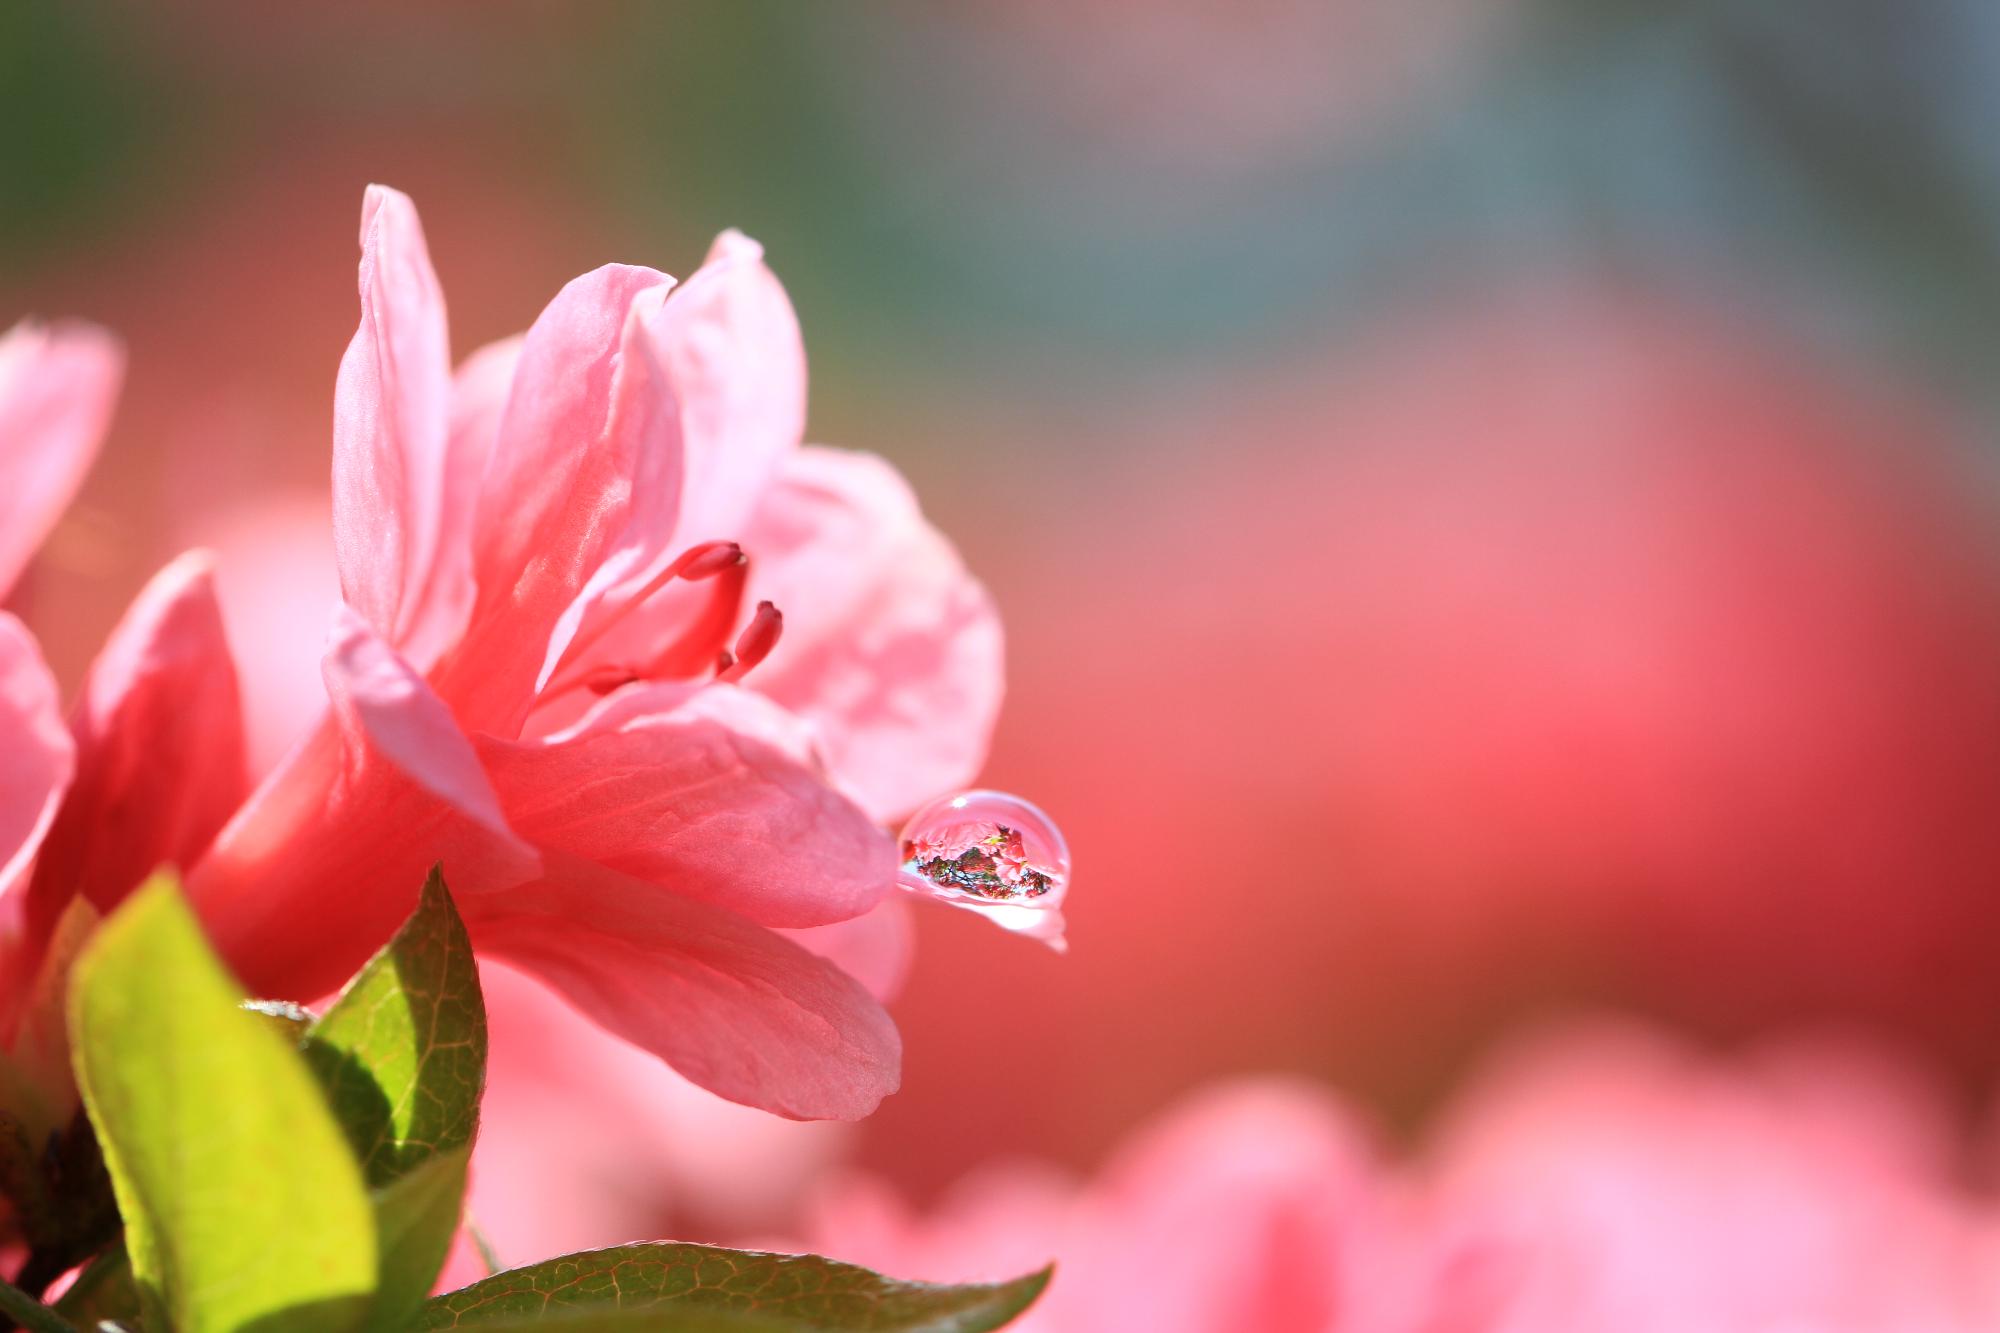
733,244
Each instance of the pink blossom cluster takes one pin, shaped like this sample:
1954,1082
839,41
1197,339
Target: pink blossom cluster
1596,1178
645,673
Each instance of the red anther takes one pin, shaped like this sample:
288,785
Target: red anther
708,559
604,679
691,653
723,661
760,636
756,641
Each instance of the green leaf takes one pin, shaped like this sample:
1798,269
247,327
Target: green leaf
402,1052
402,1056
799,1293
416,1218
244,1209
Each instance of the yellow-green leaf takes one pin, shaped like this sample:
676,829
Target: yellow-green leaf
244,1208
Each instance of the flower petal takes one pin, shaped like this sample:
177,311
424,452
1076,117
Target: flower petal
325,860
588,416
734,1007
479,392
586,1140
57,389
392,404
36,753
386,710
876,949
159,740
890,646
732,350
638,556
694,795
734,707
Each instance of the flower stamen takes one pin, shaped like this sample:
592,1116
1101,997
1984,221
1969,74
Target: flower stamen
759,637
699,563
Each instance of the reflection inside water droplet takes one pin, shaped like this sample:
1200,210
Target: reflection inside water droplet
993,854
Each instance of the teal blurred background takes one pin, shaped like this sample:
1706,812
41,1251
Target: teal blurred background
1057,193
1229,342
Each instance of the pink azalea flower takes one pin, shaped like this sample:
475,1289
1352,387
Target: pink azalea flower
548,675
39,756
147,770
150,762
57,386
1596,1179
1645,1188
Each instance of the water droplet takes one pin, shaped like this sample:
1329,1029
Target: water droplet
993,854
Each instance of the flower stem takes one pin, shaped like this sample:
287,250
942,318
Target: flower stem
30,1313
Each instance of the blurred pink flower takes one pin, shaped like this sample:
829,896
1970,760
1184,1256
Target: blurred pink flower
36,756
1640,1187
274,575
57,389
147,770
150,762
158,729
1596,1180
1588,644
567,518
1255,1205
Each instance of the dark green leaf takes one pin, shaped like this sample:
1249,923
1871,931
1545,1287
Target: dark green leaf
648,1319
24,1135
102,1291
801,1293
244,1209
49,1165
402,1052
416,1217
20,1308
81,1216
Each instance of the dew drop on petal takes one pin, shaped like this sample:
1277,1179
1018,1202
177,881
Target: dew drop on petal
993,854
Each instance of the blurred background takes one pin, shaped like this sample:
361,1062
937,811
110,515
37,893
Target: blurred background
1493,501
